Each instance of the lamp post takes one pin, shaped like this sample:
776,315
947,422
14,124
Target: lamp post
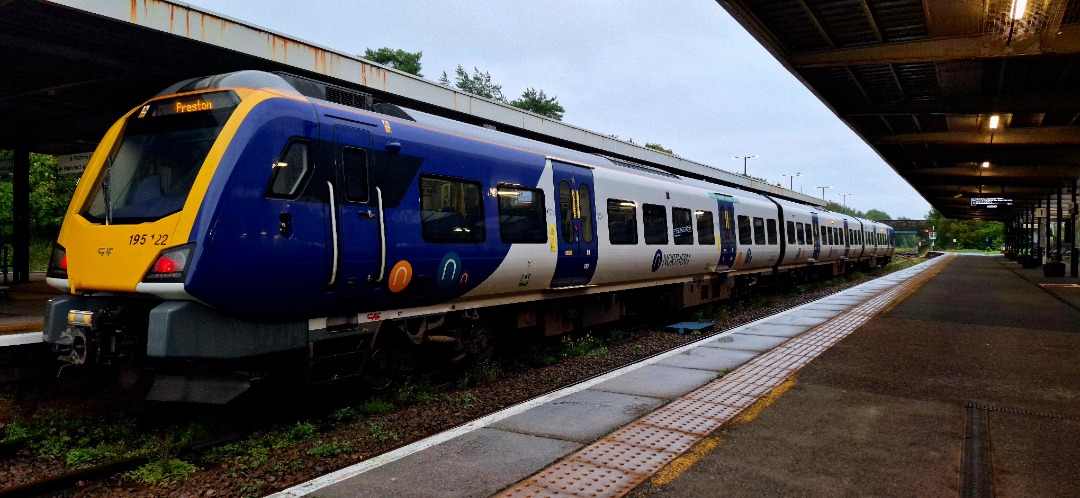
744,158
791,181
845,198
822,192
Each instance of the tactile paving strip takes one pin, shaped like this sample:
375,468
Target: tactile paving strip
616,464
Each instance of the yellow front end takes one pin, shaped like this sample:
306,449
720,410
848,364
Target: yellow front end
114,254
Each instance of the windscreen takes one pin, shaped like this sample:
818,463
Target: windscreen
162,147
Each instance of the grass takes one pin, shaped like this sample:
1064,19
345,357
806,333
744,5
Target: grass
162,472
252,453
379,433
414,392
586,345
376,406
331,449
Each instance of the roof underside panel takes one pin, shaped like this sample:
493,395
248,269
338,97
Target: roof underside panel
920,80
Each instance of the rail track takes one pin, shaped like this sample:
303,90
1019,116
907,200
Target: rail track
103,476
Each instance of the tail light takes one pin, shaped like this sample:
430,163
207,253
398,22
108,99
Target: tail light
171,265
57,262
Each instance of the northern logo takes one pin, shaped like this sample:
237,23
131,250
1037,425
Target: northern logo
659,259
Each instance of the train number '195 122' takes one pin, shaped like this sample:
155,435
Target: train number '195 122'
141,239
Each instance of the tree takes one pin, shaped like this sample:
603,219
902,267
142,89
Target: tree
399,59
969,234
50,194
877,215
535,101
478,84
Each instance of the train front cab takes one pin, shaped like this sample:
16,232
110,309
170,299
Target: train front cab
138,222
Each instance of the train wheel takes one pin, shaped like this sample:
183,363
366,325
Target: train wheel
379,370
479,342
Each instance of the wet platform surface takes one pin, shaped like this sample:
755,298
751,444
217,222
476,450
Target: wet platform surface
968,387
22,308
858,420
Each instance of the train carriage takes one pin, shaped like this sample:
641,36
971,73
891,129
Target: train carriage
237,219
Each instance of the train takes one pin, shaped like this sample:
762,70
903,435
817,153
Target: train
238,221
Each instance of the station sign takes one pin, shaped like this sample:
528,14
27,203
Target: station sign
991,202
73,164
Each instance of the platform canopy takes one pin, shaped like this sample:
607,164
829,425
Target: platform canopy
72,67
921,82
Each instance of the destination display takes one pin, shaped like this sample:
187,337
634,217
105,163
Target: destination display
990,202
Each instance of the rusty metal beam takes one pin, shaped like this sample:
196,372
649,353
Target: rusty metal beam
981,46
1042,101
1045,135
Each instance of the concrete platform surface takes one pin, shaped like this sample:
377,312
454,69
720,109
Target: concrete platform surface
884,412
22,307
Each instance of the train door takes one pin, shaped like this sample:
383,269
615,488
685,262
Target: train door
727,231
575,217
356,217
846,234
817,237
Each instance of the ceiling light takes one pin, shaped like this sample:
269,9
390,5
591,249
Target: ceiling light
994,121
986,164
1019,6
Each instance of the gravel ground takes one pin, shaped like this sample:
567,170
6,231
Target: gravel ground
332,442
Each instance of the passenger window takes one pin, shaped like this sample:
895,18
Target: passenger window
759,231
681,228
745,232
521,215
622,221
356,174
824,235
771,224
451,211
655,218
809,229
566,211
800,233
290,170
706,233
585,213
791,232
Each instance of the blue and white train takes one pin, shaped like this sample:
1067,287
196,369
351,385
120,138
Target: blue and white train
243,217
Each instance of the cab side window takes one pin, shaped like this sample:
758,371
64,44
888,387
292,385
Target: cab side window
291,170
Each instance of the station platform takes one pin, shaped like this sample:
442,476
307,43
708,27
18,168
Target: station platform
960,376
22,306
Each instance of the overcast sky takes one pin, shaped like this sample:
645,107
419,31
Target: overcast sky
686,77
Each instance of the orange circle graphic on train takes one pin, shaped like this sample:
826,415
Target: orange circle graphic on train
400,276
